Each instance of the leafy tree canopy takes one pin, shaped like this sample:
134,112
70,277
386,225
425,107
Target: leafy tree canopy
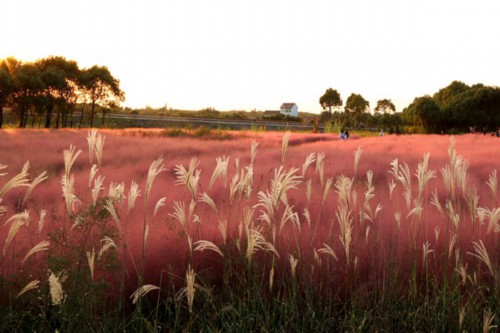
330,98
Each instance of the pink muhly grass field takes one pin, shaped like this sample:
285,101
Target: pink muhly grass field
376,246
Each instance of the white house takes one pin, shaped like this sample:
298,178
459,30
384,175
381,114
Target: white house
289,109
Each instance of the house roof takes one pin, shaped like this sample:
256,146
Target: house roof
287,105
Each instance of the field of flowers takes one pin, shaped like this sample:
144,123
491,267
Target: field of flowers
136,230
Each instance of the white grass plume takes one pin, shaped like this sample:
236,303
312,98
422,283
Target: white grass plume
30,286
91,262
220,170
310,159
154,170
293,264
116,192
320,166
19,180
132,196
209,201
481,253
40,178
93,171
141,291
357,155
160,203
284,146
255,242
98,187
41,246
253,151
326,190
494,218
107,243
326,249
111,209
493,184
57,294
203,245
70,156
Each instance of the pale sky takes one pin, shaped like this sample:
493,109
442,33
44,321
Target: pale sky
241,55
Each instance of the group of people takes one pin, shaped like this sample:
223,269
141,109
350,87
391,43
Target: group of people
344,134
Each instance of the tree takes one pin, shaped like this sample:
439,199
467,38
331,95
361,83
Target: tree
448,95
29,87
385,106
424,112
330,98
101,88
356,105
7,86
59,76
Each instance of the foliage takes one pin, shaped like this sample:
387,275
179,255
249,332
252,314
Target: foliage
331,98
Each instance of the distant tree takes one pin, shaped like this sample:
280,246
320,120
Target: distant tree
385,106
330,98
29,87
59,76
7,86
101,88
356,106
424,112
449,95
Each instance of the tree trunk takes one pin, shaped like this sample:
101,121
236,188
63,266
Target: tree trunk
81,118
50,109
92,114
1,115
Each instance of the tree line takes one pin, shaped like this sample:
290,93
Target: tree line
455,108
51,89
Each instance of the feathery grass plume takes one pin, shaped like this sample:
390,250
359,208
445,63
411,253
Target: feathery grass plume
57,294
317,259
184,175
209,201
461,174
132,196
451,245
179,214
19,180
392,186
253,151
397,217
154,170
449,180
30,286
308,190
22,216
116,192
326,190
236,164
488,318
494,217
461,317
145,237
98,187
255,242
233,186
435,201
42,246
310,159
437,231
416,210
245,181
472,199
493,184
111,209
343,186
367,233
395,169
282,182
41,221
18,221
271,278
68,188
203,245
328,250
462,271
454,217
220,170
307,216
93,171
223,230
357,155
190,244
426,249
141,291
70,156
107,244
190,289
91,261
91,140
343,215
160,203
284,146
451,151
40,178
289,216
424,175
320,166
481,253
293,264
98,148
3,209
3,167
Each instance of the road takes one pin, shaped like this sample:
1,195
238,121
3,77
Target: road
212,122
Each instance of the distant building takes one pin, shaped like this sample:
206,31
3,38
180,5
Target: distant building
289,109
